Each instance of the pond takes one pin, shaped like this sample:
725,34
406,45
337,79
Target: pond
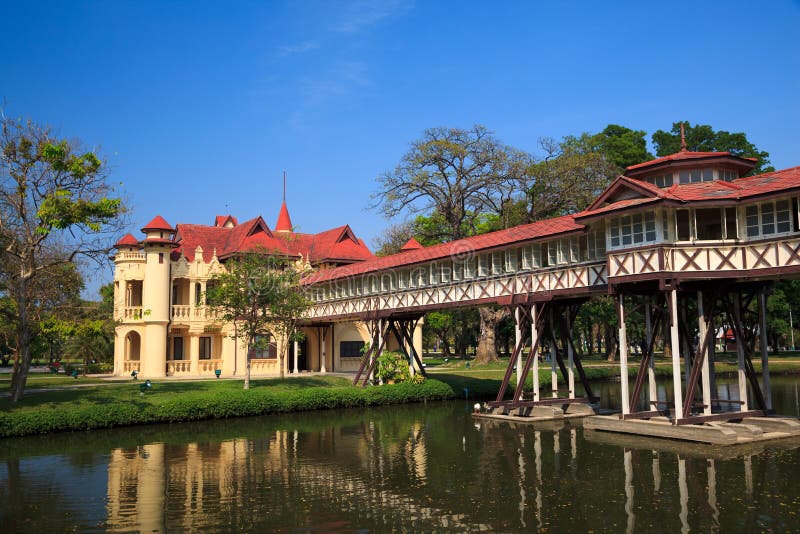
402,468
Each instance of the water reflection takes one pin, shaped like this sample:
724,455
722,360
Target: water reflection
421,468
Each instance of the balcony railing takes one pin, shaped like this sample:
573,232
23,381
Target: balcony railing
178,367
209,366
129,366
132,313
131,256
181,311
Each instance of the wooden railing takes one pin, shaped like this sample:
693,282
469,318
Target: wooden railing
722,257
581,276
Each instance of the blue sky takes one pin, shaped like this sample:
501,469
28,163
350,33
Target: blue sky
199,107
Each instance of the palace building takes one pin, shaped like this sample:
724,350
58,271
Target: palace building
160,281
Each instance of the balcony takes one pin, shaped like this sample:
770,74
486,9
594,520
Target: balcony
132,314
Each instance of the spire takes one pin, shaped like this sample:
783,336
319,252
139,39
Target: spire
284,223
683,139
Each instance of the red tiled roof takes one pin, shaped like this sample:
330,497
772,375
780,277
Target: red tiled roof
222,220
411,244
740,189
127,241
158,223
686,155
284,223
335,245
460,248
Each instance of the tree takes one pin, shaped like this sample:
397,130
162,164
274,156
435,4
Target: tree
455,173
260,295
288,305
441,325
621,146
455,177
703,138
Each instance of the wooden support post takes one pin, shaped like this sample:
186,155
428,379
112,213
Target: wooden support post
376,355
623,355
686,347
570,357
675,345
703,325
553,356
535,351
323,330
741,371
762,334
518,341
651,367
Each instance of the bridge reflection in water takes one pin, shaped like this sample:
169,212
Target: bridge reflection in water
421,468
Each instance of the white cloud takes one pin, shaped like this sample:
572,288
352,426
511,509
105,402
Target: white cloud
363,13
299,48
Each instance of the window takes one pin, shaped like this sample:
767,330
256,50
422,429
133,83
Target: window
683,224
402,279
595,245
198,294
708,222
768,218
497,263
160,257
483,265
728,175
177,348
205,348
633,229
434,274
552,253
512,260
664,180
458,271
527,258
264,348
469,267
350,349
445,270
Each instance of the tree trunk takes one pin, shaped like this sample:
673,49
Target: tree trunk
247,368
22,363
611,343
487,347
446,353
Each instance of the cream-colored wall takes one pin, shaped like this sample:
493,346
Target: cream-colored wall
157,319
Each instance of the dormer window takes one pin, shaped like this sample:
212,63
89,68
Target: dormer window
662,180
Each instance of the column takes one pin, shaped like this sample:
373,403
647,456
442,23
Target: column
534,339
706,369
323,331
742,375
296,356
623,355
192,299
518,340
651,367
553,356
675,345
762,316
194,353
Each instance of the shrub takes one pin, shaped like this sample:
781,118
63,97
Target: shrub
392,366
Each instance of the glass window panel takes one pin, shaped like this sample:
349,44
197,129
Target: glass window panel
708,175
730,224
696,177
684,177
682,224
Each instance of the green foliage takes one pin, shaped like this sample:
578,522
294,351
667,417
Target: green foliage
703,138
392,366
621,146
132,409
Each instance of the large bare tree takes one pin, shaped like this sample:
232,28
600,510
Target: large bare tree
56,208
455,177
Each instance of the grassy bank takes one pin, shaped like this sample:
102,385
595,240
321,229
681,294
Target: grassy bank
483,381
168,402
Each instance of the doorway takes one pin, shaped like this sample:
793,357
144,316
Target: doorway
302,359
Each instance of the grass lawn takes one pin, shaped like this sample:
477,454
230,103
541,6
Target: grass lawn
45,380
162,391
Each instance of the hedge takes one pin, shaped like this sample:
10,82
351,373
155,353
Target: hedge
195,406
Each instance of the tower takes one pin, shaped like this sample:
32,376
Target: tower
157,245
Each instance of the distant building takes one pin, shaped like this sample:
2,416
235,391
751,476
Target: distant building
160,282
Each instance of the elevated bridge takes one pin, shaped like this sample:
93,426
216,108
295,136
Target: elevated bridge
686,232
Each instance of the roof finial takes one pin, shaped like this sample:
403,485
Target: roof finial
284,186
683,139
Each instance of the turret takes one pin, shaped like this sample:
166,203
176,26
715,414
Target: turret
158,244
